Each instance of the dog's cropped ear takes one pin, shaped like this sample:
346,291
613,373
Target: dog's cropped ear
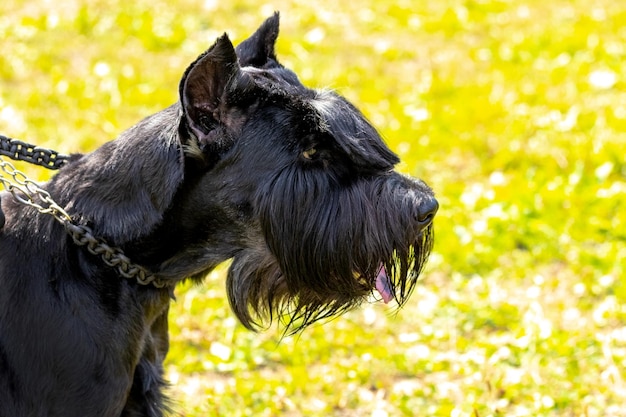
209,88
259,49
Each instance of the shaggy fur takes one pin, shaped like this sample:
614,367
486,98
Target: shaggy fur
293,184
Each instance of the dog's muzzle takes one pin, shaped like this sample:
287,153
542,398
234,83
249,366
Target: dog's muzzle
416,199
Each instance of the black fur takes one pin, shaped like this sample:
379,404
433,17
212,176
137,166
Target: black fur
293,184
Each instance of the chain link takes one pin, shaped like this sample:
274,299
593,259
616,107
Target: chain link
29,193
112,256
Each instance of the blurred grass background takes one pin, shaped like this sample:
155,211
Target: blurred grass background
514,112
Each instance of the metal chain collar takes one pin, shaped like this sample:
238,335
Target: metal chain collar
27,192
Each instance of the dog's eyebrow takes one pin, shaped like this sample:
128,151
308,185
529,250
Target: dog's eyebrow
323,102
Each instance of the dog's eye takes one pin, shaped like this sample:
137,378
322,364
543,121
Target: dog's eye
309,153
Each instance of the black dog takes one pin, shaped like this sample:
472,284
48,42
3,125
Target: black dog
293,184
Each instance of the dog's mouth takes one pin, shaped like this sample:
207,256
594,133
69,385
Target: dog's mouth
397,276
383,285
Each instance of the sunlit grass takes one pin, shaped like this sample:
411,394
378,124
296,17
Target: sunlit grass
515,113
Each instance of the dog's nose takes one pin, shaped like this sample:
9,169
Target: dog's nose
427,211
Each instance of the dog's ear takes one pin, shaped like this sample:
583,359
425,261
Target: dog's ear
259,49
210,87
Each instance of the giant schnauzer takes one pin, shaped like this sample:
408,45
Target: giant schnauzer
293,185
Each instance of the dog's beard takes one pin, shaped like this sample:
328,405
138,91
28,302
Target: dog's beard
326,253
259,292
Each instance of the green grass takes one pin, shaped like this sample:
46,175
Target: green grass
515,113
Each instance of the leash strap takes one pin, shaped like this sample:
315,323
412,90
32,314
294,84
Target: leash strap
22,151
29,193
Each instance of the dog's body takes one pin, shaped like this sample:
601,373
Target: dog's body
292,184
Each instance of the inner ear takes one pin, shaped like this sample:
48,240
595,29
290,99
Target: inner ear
259,49
208,86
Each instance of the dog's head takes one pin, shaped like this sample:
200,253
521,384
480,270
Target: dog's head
293,184
323,219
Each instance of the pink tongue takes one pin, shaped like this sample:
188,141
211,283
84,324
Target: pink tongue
383,285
